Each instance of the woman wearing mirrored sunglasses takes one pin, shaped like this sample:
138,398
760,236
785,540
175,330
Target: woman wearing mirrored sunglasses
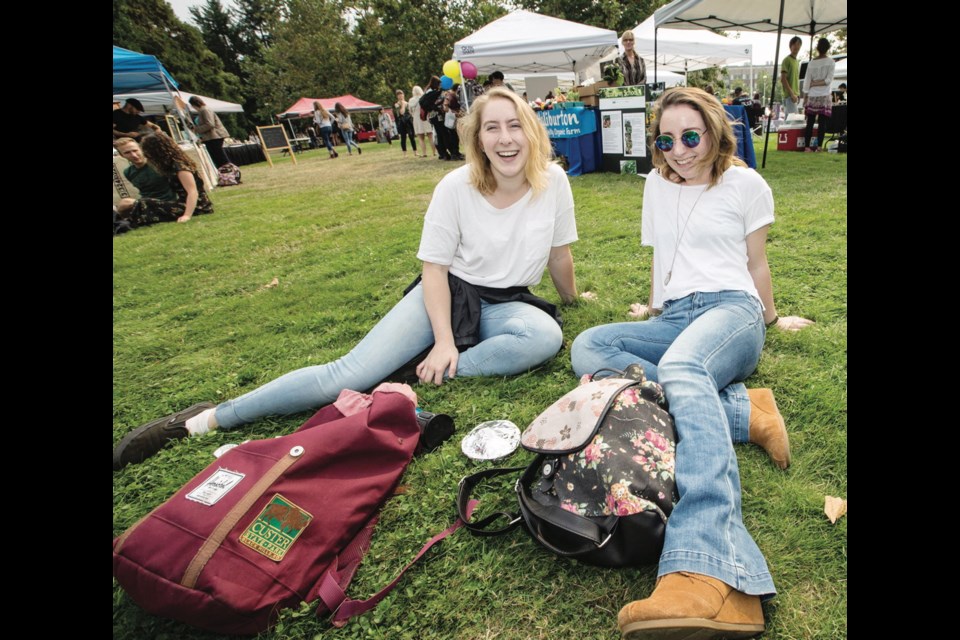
706,215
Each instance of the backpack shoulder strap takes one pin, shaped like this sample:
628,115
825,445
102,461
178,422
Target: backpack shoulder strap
337,577
465,505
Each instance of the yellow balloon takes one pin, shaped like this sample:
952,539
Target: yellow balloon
451,69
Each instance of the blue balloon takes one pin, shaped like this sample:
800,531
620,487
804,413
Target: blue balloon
446,82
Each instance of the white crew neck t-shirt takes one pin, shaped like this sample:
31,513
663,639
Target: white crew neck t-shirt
494,247
712,251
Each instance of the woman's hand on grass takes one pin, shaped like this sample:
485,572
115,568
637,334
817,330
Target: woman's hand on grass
439,360
793,323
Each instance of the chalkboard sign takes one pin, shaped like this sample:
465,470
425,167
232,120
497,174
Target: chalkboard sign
273,138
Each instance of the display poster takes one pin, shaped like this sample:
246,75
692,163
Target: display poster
611,132
634,135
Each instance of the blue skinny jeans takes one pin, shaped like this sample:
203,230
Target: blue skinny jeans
514,337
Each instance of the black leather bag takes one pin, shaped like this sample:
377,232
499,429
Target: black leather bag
602,485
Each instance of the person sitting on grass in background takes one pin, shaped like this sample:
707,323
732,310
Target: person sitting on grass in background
184,195
706,215
492,227
154,189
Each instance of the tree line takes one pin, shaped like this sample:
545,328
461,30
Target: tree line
266,54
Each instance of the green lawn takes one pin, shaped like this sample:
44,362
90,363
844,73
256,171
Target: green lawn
195,320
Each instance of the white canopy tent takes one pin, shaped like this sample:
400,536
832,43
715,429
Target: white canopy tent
529,43
160,102
840,70
805,17
683,50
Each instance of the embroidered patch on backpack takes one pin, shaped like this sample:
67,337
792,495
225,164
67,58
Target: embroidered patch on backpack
274,531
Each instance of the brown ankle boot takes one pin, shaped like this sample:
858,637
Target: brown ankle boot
767,427
692,605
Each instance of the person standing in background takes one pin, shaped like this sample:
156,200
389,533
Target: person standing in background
324,122
128,121
386,125
817,102
790,77
631,65
346,128
404,122
211,131
421,127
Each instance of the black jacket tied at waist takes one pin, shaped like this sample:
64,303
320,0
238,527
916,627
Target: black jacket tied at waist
465,306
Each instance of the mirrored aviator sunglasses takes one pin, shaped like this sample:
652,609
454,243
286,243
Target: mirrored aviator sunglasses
690,139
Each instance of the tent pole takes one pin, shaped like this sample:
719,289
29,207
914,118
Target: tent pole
773,89
655,53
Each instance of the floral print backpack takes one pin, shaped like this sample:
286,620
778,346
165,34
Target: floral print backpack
602,484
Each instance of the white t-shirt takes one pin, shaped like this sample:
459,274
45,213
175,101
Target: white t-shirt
819,69
712,254
320,120
496,247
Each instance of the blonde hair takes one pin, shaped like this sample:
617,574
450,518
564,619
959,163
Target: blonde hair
318,106
723,150
481,175
119,142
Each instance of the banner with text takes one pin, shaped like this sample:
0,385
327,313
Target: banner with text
569,123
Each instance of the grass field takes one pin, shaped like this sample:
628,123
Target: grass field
195,319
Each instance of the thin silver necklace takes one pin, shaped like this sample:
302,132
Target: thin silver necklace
680,233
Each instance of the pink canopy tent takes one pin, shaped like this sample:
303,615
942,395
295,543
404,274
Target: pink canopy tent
304,106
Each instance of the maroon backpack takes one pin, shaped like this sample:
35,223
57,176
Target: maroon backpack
274,522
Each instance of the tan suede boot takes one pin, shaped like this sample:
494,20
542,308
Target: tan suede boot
688,606
767,427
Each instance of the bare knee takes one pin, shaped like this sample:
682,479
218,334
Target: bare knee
125,205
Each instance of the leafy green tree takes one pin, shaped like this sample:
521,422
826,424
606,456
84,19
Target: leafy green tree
713,76
400,44
257,19
220,33
618,15
150,26
310,53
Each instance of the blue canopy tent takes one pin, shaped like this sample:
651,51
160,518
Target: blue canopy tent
138,72
133,72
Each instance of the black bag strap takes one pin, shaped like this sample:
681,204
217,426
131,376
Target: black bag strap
593,534
479,528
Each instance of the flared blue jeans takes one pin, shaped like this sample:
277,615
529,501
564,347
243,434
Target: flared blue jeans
699,349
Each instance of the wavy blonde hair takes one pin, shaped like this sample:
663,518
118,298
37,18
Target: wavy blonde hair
481,175
318,106
723,150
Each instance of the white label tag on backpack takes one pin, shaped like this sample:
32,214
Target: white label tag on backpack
216,486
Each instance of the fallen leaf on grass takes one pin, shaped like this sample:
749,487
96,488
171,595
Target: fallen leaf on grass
272,284
835,508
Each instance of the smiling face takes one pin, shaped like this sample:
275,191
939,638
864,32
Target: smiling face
689,164
502,139
627,41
